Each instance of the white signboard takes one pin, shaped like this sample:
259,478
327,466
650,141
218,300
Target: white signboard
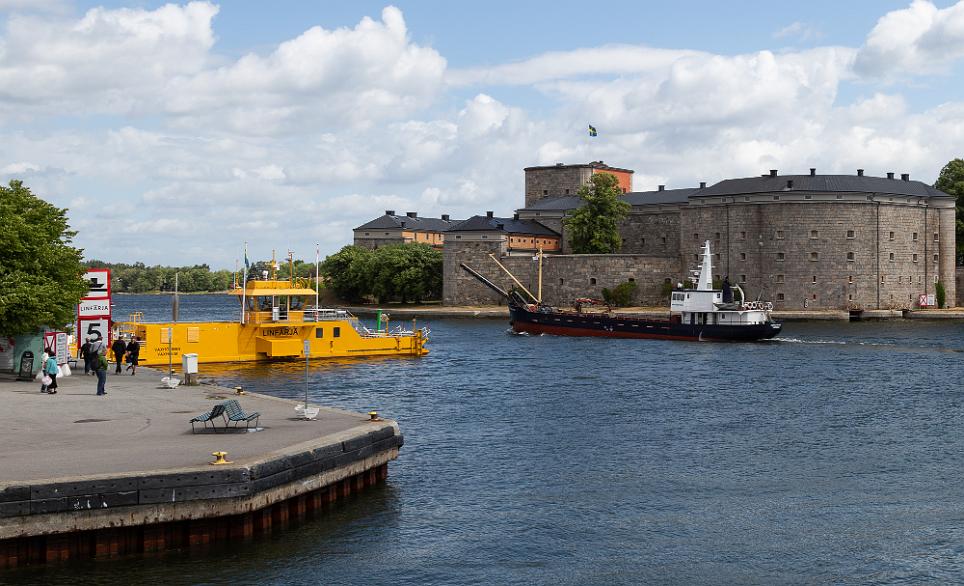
99,327
99,280
93,308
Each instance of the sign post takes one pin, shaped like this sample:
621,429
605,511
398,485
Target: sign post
307,349
93,311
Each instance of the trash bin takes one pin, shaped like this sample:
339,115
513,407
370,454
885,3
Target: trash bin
189,368
26,366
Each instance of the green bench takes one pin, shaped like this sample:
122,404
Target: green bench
205,418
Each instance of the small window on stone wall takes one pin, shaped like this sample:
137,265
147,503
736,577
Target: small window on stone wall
717,235
936,257
915,237
814,280
779,278
742,256
696,257
883,279
900,279
891,257
780,297
814,296
742,235
776,198
696,236
936,278
851,234
664,240
814,256
891,236
562,282
850,279
936,237
780,256
592,280
850,256
779,234
813,233
915,258
545,192
642,241
743,278
632,280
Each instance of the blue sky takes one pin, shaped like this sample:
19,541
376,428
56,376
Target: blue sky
174,132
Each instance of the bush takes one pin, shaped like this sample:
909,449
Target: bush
941,294
621,295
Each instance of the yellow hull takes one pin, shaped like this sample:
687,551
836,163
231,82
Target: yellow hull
235,342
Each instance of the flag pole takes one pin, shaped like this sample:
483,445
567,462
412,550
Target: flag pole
244,281
317,258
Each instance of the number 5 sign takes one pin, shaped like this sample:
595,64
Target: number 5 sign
98,327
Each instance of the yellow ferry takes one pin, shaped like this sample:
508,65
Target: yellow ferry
276,322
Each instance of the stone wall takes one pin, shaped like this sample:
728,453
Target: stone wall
821,254
564,277
651,232
547,182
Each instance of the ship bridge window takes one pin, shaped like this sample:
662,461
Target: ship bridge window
319,332
336,332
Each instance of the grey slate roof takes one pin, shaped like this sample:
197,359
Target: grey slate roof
416,224
509,225
821,183
634,198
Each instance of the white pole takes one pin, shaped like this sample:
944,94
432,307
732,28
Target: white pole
317,258
244,281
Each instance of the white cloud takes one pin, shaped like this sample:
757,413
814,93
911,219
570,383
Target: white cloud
599,61
19,168
920,39
303,141
798,30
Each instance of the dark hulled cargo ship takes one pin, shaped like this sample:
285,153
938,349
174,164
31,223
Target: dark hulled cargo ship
703,313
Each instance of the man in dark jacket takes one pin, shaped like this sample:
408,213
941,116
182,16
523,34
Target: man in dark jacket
119,348
133,351
85,355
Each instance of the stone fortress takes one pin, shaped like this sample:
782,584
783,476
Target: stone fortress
801,241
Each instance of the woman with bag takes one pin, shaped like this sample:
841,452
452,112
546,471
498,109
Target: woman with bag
48,384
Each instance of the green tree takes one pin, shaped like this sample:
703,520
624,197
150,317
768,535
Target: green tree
594,227
951,182
622,295
940,294
41,275
347,272
401,272
406,272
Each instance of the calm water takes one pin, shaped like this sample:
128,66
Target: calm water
831,455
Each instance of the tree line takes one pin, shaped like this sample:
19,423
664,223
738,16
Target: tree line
140,278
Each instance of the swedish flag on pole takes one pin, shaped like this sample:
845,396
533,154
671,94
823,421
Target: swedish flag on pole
592,130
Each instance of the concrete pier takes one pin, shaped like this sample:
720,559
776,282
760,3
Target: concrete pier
89,476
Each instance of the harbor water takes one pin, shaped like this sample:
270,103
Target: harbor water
832,454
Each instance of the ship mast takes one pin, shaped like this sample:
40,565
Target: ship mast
706,270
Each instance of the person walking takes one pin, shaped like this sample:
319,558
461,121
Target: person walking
133,351
119,348
50,370
100,369
85,355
